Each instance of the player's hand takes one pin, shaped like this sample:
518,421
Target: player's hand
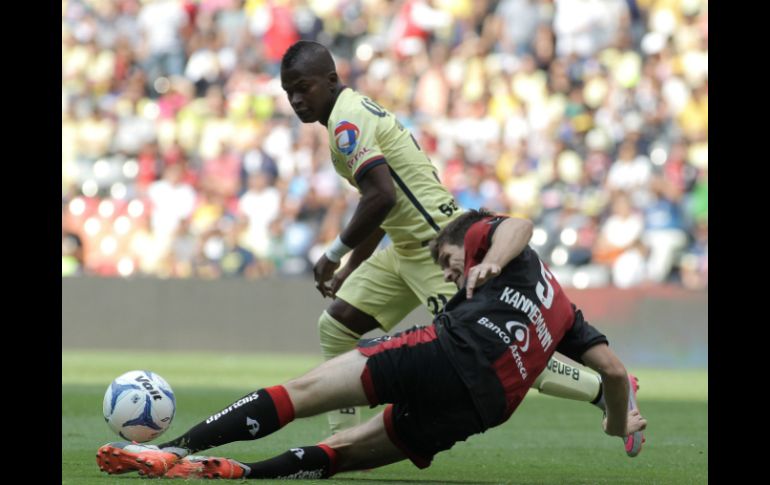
323,272
634,422
478,275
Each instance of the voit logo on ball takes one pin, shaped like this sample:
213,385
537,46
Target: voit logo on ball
346,135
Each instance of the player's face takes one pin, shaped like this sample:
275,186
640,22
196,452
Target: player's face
451,258
310,96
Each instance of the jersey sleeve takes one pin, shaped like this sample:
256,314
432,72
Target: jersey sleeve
478,239
356,140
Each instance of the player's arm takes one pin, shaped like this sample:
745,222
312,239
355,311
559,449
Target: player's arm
358,256
508,241
366,248
619,420
378,196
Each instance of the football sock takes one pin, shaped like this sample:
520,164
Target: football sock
336,339
297,463
254,416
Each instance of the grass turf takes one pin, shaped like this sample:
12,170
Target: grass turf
547,441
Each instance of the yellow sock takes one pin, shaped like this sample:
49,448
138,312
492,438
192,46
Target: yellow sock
337,339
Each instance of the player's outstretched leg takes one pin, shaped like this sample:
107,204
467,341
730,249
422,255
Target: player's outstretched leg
362,447
254,416
251,417
309,462
333,384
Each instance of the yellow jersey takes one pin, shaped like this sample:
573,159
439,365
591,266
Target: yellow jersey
363,135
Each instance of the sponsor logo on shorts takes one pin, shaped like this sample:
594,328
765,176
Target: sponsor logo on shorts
298,452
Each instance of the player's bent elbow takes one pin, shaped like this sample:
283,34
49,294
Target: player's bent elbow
614,370
384,204
604,361
378,204
387,201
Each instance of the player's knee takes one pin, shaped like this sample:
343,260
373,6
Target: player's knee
301,385
339,441
335,337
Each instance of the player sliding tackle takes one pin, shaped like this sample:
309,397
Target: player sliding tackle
401,196
466,372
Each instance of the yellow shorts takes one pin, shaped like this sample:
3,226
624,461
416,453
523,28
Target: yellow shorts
390,284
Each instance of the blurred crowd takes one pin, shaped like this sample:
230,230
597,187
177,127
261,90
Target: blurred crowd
181,156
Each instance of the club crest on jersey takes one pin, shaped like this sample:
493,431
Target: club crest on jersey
346,135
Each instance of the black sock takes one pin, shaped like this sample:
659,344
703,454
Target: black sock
307,462
255,415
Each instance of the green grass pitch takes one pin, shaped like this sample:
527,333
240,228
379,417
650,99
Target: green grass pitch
547,441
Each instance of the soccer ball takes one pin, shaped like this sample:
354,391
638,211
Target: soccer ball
139,405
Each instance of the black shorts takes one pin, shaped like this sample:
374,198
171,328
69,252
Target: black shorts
431,409
581,337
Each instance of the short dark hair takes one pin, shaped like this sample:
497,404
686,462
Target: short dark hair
454,232
310,55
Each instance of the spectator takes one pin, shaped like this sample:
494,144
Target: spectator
172,201
695,261
222,255
664,232
182,252
162,51
222,172
619,236
261,205
611,96
631,173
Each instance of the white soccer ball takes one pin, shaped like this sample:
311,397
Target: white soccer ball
139,405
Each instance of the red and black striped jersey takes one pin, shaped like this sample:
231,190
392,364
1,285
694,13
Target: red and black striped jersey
502,338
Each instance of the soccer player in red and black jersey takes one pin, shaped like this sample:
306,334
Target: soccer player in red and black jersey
522,307
461,375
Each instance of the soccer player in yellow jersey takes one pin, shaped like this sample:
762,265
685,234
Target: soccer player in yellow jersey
402,196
